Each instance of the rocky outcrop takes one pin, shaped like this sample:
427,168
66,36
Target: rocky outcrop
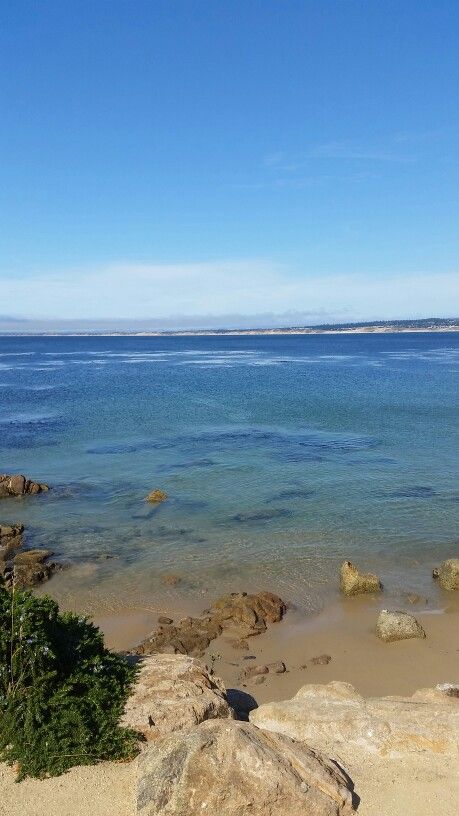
336,719
23,568
448,574
174,692
224,768
353,582
240,614
156,497
10,539
19,486
395,625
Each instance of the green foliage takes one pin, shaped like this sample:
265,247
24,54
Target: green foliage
61,691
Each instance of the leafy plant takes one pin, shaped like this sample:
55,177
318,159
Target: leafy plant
61,691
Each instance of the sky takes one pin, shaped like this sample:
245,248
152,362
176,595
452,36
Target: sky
228,162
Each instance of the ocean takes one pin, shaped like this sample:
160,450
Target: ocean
281,456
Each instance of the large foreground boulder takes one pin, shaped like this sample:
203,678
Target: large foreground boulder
448,574
174,692
19,486
224,768
396,625
239,614
336,719
354,582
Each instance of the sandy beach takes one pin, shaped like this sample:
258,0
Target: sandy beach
423,785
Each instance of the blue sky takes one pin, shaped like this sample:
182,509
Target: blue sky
191,158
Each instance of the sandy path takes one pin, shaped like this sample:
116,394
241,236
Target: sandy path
102,790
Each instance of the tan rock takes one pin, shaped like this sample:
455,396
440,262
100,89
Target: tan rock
396,625
171,580
239,614
336,719
174,692
19,486
224,768
448,574
156,497
353,582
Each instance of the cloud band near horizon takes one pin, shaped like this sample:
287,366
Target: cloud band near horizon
178,294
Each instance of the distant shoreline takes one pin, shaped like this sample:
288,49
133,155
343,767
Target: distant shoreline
243,332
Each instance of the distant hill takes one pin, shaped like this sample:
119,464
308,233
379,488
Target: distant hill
428,324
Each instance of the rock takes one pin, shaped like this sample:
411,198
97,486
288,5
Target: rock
414,598
448,574
224,768
173,692
23,568
19,486
156,497
395,625
253,671
276,668
172,580
10,539
162,619
32,567
335,718
353,582
242,614
320,660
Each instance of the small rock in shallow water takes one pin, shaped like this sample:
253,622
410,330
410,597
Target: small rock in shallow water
448,574
396,625
172,580
163,619
353,582
156,497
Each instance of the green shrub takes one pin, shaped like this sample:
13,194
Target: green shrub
61,691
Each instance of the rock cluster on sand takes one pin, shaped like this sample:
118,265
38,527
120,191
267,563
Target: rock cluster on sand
232,768
19,486
353,582
395,625
156,497
334,718
173,692
448,574
240,614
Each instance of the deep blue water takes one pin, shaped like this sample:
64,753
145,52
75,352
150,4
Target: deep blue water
281,456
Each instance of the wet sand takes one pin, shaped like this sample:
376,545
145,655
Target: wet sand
344,631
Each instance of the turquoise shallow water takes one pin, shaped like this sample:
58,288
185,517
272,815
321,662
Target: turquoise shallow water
281,456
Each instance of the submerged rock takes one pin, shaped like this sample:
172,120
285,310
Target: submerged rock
225,768
448,574
156,497
353,582
19,486
336,719
395,625
173,692
241,614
